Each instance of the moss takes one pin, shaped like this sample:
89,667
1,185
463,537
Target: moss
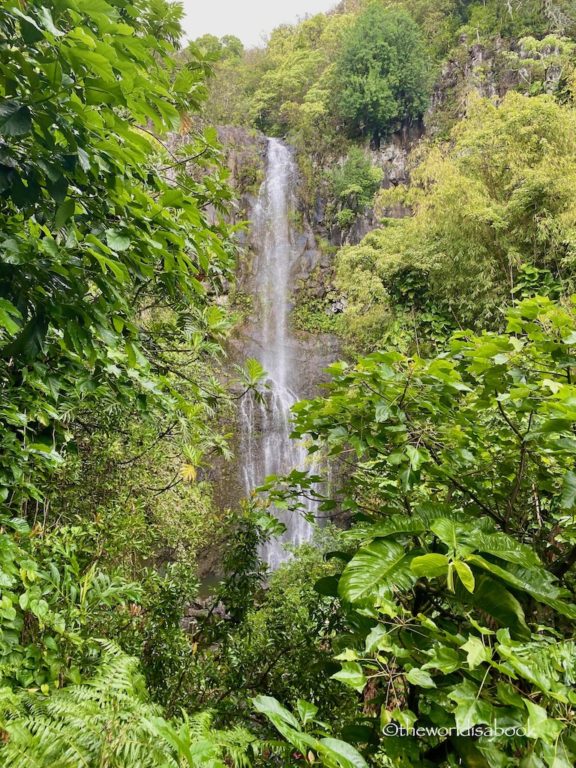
244,149
315,317
241,304
250,179
314,301
296,218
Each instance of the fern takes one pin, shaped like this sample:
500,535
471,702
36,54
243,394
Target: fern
108,721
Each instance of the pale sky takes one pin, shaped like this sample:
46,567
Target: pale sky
249,20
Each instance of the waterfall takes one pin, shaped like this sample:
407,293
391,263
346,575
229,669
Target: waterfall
265,444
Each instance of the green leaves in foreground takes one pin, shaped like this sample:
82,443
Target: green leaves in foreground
109,721
109,270
376,569
15,119
252,373
332,753
93,227
458,580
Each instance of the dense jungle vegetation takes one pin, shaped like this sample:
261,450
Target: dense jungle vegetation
432,623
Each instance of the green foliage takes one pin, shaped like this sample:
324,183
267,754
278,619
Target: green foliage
253,372
293,92
233,82
286,89
543,65
294,85
449,603
440,22
243,569
251,376
519,18
157,637
351,188
387,300
498,197
302,734
108,270
272,638
382,71
226,47
283,642
457,584
109,721
532,281
55,596
91,221
184,660
315,316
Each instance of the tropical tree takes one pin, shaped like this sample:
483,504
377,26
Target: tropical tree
457,578
382,71
226,47
93,220
106,259
490,203
352,187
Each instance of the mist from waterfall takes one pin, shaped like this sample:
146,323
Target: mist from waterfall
265,444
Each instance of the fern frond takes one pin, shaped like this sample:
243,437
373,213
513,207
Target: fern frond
108,720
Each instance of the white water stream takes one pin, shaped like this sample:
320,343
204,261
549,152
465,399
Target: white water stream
265,444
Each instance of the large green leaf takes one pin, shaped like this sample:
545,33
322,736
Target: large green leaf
477,651
538,583
422,520
502,546
377,568
568,498
447,531
431,565
254,371
492,597
540,725
271,707
9,317
117,241
420,678
470,709
306,711
465,574
30,340
334,753
64,212
327,585
352,675
345,755
15,119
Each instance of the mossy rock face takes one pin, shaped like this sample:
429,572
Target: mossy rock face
317,305
241,304
319,317
493,67
245,152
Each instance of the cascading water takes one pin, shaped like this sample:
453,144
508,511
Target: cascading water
266,447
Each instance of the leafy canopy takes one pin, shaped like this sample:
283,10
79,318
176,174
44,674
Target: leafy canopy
92,217
97,225
494,200
457,581
383,72
352,187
